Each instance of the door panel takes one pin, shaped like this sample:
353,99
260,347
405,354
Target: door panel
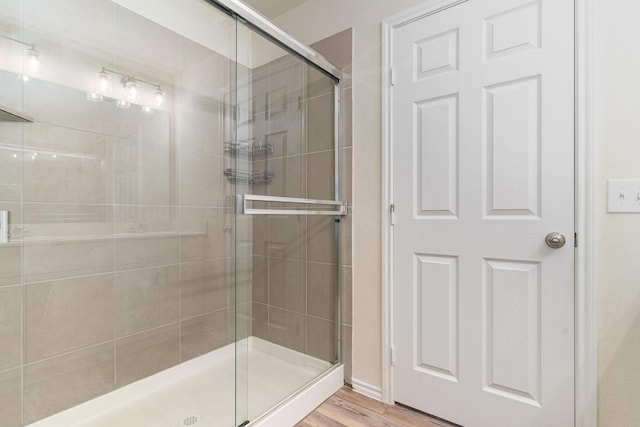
482,119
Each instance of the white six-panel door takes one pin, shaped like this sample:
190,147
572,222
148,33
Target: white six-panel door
482,103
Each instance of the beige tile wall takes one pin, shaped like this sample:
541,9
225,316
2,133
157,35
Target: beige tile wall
338,50
121,242
295,266
122,237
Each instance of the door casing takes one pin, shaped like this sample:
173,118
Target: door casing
586,373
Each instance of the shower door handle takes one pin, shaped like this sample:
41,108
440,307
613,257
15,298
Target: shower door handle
5,217
337,207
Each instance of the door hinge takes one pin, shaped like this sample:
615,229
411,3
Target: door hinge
392,357
392,77
392,213
575,240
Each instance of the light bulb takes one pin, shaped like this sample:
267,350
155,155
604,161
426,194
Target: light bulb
158,98
103,82
146,110
94,97
132,89
123,103
33,60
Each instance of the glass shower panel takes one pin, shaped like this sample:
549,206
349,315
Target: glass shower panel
286,154
121,238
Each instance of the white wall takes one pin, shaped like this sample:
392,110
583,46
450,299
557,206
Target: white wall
618,137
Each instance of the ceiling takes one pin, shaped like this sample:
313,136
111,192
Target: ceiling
273,8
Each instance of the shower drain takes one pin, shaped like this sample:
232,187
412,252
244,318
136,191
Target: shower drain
191,420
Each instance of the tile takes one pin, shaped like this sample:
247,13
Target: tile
10,326
285,84
320,123
260,278
321,339
260,317
346,352
144,354
151,129
318,83
322,288
243,234
11,162
289,179
59,383
205,72
201,179
11,397
145,173
141,250
285,132
47,220
287,236
198,127
337,49
321,175
136,219
260,234
66,107
11,133
146,299
11,265
47,260
346,118
65,165
68,314
346,175
203,288
287,328
238,280
346,299
346,233
202,334
242,322
321,240
287,283
12,86
203,234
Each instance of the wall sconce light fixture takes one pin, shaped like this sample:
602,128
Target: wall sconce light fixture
132,86
32,56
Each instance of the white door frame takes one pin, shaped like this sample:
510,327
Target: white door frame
586,373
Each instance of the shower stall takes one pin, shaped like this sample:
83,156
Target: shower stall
169,216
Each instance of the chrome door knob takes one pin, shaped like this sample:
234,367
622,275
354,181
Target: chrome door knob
555,240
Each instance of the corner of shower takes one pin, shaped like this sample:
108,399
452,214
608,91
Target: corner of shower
172,217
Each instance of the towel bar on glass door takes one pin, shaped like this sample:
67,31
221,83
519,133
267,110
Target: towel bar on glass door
246,198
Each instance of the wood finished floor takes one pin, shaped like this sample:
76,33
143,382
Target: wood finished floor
351,409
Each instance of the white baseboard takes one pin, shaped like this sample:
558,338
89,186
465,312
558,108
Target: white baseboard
367,389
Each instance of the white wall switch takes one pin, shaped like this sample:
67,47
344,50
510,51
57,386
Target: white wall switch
623,195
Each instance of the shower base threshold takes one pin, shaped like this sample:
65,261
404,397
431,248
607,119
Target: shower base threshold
200,392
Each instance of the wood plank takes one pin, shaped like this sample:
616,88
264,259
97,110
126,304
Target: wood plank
347,408
316,419
411,418
351,414
362,400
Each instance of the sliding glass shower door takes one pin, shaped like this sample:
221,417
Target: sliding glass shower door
167,210
285,169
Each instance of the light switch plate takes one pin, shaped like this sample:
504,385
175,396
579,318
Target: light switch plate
623,195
